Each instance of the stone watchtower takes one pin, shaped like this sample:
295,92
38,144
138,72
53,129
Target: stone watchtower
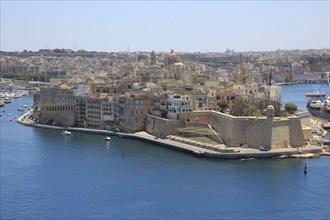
270,112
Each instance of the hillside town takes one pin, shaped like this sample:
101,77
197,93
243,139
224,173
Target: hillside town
168,93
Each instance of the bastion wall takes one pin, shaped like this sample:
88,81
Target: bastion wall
254,131
161,127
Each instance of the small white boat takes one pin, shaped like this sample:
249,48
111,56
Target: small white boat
66,132
7,100
107,139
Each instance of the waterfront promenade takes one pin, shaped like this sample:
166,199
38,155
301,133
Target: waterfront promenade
307,151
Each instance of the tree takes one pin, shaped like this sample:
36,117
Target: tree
252,111
239,108
262,105
222,105
290,107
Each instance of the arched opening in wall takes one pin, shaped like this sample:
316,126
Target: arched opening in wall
188,120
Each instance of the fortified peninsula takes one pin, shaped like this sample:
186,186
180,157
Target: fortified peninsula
232,110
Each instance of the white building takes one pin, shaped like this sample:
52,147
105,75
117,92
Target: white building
178,104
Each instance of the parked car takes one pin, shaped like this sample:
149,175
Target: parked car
264,148
244,146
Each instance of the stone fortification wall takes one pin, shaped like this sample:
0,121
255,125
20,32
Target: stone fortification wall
252,131
304,118
235,130
62,118
296,133
280,133
277,133
161,127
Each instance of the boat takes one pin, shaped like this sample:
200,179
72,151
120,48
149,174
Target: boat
7,100
66,132
107,139
326,126
318,105
2,103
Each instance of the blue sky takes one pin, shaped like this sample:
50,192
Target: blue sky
162,25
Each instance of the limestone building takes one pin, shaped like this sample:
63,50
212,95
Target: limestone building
55,106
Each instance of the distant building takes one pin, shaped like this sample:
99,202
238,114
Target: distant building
153,58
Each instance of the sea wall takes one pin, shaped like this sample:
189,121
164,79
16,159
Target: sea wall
200,152
162,127
254,131
296,132
234,130
280,133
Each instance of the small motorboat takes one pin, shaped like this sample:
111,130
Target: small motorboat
107,139
66,132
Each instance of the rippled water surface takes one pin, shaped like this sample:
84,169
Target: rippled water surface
45,175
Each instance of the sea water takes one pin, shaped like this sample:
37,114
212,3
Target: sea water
45,175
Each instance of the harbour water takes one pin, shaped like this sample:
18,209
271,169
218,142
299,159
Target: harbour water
45,175
296,93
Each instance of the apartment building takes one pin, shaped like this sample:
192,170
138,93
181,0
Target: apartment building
178,104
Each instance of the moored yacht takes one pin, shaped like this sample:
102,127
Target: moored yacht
107,139
7,100
66,132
